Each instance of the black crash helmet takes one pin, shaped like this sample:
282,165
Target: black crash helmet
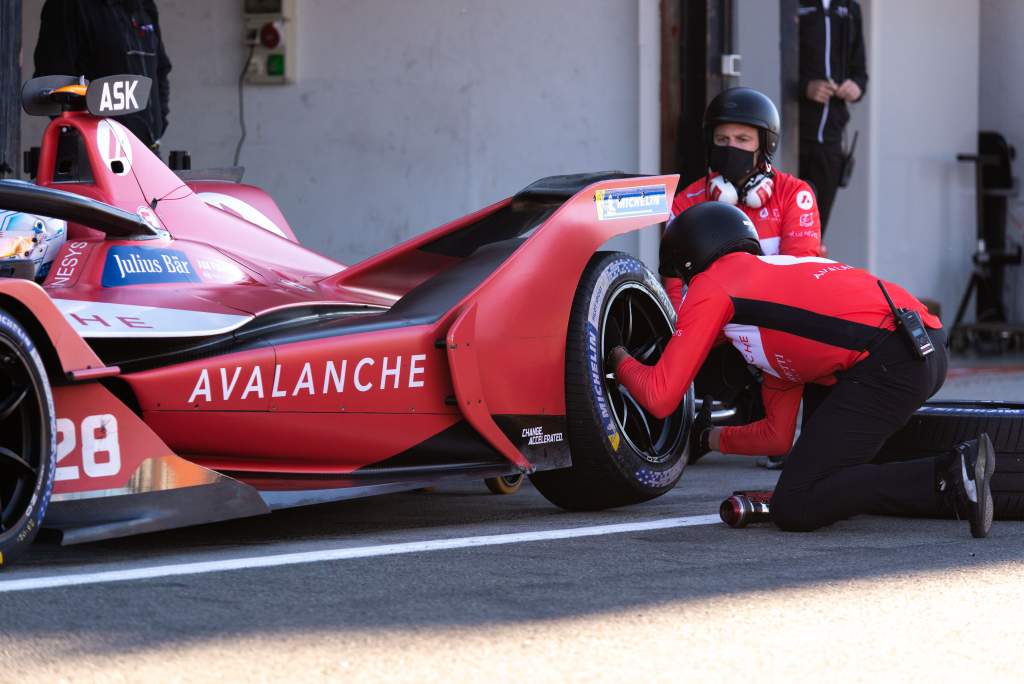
703,233
745,106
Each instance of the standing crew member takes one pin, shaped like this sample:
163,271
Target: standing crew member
811,320
96,38
741,135
833,73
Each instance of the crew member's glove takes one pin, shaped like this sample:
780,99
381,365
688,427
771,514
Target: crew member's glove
615,356
612,341
612,335
700,432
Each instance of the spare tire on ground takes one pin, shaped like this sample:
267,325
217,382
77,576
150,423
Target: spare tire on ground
938,425
620,453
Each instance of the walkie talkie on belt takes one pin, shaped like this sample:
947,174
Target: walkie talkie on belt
910,326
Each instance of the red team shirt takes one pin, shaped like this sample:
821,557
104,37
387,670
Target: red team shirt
788,224
798,319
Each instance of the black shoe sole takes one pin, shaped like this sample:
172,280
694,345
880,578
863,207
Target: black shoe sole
984,466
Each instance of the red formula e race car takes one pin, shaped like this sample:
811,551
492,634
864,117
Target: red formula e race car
186,360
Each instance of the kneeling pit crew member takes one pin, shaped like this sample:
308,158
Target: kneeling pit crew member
811,320
741,136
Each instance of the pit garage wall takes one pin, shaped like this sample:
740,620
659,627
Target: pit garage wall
924,68
758,36
1002,110
908,213
408,114
757,40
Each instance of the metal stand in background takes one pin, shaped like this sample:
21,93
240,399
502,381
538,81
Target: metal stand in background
991,332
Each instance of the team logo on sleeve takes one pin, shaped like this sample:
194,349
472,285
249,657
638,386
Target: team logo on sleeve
804,199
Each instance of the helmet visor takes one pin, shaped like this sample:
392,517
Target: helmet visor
16,246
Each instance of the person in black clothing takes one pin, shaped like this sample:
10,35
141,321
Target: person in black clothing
833,73
96,38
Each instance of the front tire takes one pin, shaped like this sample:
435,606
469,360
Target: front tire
27,440
620,453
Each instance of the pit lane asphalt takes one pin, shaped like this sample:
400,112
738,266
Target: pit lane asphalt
867,598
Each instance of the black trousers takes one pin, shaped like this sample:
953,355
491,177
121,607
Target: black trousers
828,475
820,165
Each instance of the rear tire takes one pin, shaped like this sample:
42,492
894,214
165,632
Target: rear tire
506,484
27,440
938,425
621,454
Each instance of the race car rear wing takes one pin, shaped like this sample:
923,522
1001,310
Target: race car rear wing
395,272
107,96
33,199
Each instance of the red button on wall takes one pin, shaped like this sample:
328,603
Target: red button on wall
270,37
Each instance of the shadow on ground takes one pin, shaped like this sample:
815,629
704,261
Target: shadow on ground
471,587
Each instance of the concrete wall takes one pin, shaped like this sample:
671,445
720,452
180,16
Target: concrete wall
757,38
405,114
1002,63
908,211
1001,109
923,111
847,235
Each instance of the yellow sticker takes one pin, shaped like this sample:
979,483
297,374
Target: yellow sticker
614,439
1,557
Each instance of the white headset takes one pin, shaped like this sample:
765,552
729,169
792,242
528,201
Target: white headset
757,190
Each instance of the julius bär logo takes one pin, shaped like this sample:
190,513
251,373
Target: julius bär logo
146,266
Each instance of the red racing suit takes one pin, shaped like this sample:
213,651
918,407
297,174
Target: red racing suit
799,319
787,224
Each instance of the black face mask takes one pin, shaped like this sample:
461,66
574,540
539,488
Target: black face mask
733,163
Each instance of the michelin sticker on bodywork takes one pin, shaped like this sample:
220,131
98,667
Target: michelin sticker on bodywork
621,203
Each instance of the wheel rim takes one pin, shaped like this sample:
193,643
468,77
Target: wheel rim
646,329
22,437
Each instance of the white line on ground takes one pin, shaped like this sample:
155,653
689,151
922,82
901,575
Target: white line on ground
324,555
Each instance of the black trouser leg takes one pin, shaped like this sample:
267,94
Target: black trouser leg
828,474
814,396
820,166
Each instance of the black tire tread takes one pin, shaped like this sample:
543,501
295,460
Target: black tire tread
926,435
593,482
1008,506
17,538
